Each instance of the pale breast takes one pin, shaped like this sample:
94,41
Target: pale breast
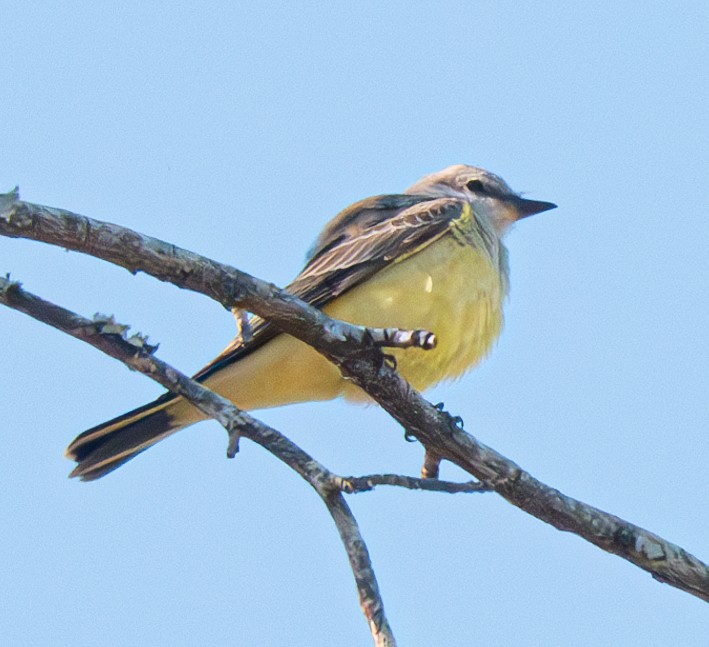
449,288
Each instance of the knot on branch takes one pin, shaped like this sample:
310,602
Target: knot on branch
15,215
107,325
234,432
7,200
8,287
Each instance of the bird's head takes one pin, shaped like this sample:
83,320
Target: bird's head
488,194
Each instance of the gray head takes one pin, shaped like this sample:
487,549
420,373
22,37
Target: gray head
487,193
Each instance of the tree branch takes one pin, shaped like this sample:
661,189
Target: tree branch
109,337
185,269
350,347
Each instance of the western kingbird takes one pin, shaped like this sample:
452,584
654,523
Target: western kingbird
431,258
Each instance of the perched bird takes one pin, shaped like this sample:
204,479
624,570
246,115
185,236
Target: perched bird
431,258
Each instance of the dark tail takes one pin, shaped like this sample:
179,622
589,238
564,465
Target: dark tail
107,446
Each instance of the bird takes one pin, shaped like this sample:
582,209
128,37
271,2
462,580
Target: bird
429,258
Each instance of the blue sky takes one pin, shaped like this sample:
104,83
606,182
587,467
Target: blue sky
238,131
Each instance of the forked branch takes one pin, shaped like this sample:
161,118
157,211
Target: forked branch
110,338
360,360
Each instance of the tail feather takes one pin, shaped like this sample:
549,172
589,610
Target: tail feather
106,447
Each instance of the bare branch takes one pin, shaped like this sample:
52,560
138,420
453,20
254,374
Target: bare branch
665,561
109,337
350,347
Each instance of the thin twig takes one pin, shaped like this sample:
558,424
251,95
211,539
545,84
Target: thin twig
355,484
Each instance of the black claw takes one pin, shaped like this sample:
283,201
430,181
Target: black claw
409,437
390,361
454,421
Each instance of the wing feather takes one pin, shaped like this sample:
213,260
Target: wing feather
357,244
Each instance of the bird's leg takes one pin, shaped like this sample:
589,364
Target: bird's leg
244,331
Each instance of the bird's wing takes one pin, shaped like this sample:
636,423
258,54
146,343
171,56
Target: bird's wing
358,243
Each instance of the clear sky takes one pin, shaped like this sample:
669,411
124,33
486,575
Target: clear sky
238,131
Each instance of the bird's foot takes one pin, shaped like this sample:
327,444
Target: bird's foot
456,422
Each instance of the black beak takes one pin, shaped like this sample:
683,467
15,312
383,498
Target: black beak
530,207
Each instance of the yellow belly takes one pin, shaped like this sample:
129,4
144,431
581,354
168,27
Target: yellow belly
448,288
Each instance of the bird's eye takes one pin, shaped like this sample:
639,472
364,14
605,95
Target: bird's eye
476,186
